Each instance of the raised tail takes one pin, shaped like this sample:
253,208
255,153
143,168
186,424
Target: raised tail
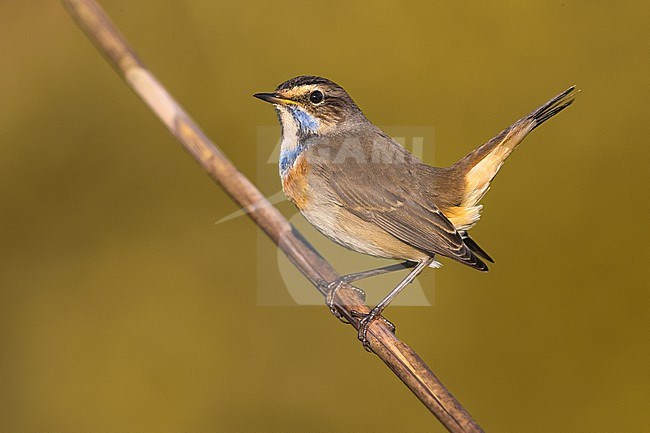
480,166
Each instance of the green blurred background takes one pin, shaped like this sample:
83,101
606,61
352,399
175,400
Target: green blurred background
126,308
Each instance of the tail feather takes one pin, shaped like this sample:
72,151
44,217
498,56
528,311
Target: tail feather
473,247
554,106
480,166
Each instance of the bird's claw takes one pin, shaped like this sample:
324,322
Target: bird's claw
366,321
332,290
366,318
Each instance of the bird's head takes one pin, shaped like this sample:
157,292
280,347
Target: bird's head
309,105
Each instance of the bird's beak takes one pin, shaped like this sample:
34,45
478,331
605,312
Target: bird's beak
273,98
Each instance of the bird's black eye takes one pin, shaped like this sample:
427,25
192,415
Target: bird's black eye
316,97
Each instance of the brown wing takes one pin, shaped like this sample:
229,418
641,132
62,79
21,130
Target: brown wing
384,193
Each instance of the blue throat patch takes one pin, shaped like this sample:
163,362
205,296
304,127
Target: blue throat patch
288,157
307,125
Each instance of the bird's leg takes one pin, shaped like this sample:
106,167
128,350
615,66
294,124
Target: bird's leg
375,313
378,271
334,286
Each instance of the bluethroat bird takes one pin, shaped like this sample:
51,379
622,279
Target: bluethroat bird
364,191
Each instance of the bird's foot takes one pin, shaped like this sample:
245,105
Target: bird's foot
332,290
366,321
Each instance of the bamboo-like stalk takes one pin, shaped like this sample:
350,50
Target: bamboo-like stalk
398,356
